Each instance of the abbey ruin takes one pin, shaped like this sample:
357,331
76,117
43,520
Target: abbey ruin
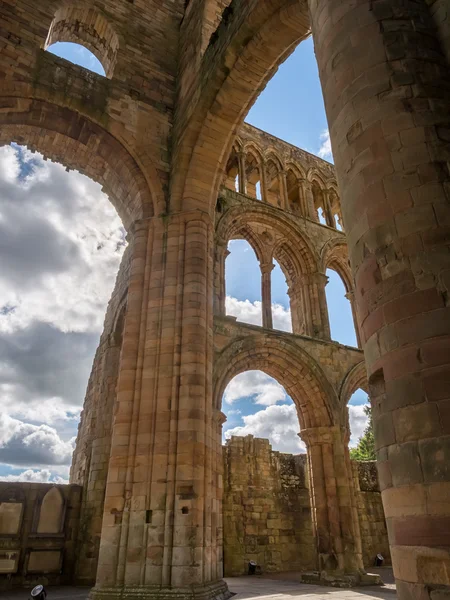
163,133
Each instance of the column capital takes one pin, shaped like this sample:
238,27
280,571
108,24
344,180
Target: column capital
350,295
219,417
314,436
266,267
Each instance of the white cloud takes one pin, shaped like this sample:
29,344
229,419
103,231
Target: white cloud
32,445
358,422
278,424
61,242
42,476
251,312
263,389
325,150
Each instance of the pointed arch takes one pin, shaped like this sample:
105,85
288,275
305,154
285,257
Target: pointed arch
334,255
302,255
355,378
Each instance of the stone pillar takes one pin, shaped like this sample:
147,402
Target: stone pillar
309,306
310,209
284,190
327,210
264,196
159,533
351,298
266,294
242,174
333,501
385,83
220,255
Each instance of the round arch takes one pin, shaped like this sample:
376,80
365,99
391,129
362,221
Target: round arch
67,137
82,24
245,233
292,367
301,255
273,30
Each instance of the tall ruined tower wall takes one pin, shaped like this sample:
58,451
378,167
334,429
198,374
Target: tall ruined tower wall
160,133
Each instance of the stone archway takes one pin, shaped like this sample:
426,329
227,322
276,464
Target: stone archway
77,142
325,438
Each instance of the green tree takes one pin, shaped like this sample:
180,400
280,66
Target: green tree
365,450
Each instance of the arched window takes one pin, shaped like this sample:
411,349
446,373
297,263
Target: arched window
78,55
243,283
253,176
358,416
319,203
335,209
51,512
274,188
232,172
293,191
84,25
339,311
281,312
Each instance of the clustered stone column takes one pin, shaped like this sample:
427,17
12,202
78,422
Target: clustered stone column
333,500
309,306
221,254
161,521
351,298
385,82
242,179
266,293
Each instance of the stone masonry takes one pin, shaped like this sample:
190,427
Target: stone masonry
267,510
163,134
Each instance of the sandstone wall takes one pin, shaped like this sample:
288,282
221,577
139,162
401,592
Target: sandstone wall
267,511
372,521
38,533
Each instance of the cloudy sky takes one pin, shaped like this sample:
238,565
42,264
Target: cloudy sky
60,247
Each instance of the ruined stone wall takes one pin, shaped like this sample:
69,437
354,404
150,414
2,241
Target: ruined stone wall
372,521
38,533
91,455
267,510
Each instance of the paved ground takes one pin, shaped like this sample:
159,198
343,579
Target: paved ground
268,587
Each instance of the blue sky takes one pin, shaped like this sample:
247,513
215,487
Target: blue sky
66,305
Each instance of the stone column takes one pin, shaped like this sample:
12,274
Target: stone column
220,255
333,501
266,294
309,306
310,209
284,190
327,210
242,174
263,175
315,288
385,83
159,533
302,201
351,298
